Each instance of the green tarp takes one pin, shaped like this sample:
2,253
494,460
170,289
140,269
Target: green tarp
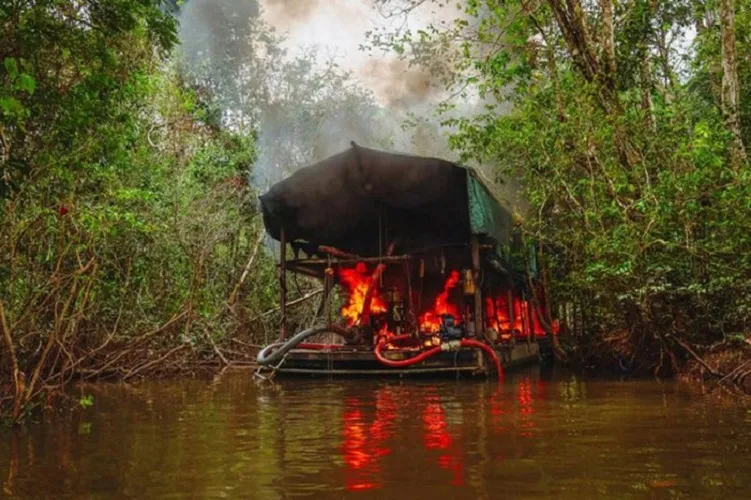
486,215
489,218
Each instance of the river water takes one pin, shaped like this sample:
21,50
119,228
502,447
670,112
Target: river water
534,436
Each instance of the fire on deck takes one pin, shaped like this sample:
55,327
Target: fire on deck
432,276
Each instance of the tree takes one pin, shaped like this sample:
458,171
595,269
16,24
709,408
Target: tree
730,83
130,243
603,114
125,216
301,108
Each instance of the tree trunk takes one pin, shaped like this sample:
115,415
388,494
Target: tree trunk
553,68
730,84
572,24
571,20
16,375
645,81
608,42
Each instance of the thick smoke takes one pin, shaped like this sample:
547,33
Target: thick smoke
293,10
212,30
304,105
399,85
294,133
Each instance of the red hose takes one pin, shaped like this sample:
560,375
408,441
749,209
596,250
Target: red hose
404,362
398,338
433,351
489,351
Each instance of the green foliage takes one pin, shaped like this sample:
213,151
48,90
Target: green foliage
122,205
644,219
86,401
129,230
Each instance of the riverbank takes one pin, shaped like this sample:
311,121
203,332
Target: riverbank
723,366
42,385
721,369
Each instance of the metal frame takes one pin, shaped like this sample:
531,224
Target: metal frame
316,267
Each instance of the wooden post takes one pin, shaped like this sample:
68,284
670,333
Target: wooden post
410,298
328,285
479,328
283,283
510,304
530,320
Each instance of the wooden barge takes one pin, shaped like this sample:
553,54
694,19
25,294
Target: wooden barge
360,361
422,272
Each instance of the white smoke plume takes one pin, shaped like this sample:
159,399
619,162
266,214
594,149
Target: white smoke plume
293,72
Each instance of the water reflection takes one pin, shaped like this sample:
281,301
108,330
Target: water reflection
526,407
530,437
437,438
365,442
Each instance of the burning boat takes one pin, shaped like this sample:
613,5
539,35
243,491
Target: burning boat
424,257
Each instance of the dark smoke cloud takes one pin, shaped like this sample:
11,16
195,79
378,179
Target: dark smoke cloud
290,134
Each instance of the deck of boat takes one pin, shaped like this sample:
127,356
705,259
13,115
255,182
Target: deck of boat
360,361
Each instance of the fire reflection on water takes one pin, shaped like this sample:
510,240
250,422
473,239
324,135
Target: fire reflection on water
526,407
436,437
371,430
532,437
364,445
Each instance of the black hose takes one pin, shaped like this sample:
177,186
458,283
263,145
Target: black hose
267,357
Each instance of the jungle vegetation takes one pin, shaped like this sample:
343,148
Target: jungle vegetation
129,236
130,241
628,123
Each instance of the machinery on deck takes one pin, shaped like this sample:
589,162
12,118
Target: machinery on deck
424,257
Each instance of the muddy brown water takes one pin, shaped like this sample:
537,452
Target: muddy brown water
534,437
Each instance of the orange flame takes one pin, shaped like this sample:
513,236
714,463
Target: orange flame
430,321
497,315
356,281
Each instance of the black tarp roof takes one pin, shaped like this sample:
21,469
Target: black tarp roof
424,203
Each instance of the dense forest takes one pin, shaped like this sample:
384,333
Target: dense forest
628,125
130,242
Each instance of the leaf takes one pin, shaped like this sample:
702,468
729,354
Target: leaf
10,106
11,66
86,401
26,83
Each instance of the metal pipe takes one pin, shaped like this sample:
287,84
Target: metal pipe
531,319
283,283
478,319
328,284
274,353
510,304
